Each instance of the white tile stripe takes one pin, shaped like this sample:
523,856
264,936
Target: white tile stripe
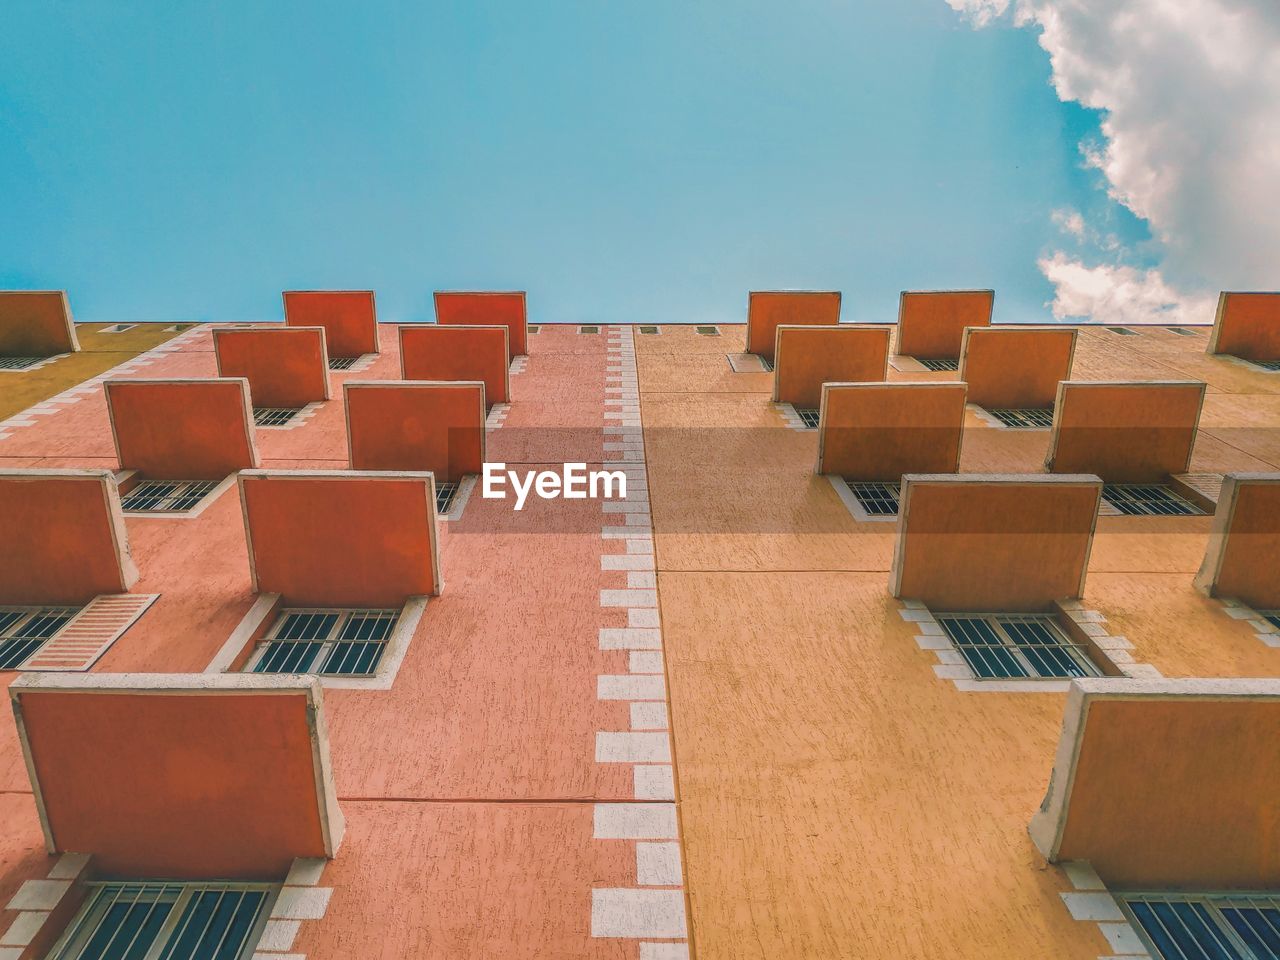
1091,902
653,910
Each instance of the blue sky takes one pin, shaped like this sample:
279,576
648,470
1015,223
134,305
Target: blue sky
620,161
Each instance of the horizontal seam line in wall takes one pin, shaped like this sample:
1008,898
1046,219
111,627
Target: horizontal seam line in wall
532,801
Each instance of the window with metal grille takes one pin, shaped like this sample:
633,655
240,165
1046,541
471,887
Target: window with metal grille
1182,331
708,331
166,496
941,364
589,329
1272,365
1228,926
24,630
19,363
158,920
1272,617
1024,418
1000,646
767,364
339,643
877,499
444,496
533,328
1148,500
809,418
342,363
1123,331
650,331
274,416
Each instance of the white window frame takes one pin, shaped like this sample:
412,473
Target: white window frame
1227,936
198,508
184,891
27,613
1076,651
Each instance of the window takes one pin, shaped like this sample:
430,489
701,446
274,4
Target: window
1272,365
1024,418
343,643
809,418
708,331
650,331
1208,926
533,328
1148,500
166,496
118,327
876,498
342,363
589,329
1182,331
941,364
24,630
444,496
1122,331
274,416
19,363
143,920
1272,617
767,364
1005,646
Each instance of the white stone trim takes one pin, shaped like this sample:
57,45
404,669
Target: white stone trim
952,666
1091,902
301,900
1263,630
654,909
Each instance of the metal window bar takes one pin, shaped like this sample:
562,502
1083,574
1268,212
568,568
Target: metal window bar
941,364
141,920
1148,500
708,331
1272,365
444,496
878,499
24,630
342,363
274,416
19,363
1028,417
1009,646
1228,926
166,496
346,643
809,418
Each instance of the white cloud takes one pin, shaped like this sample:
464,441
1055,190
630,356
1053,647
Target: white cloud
1069,222
1191,94
1120,295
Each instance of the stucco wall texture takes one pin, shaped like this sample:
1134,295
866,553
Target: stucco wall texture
836,798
